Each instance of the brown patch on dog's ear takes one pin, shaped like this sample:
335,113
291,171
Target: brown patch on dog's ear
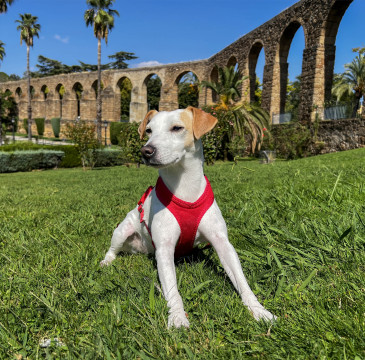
146,120
202,122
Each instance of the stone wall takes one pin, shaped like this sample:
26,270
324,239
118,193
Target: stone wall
319,19
340,135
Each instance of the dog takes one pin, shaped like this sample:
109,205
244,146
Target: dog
174,148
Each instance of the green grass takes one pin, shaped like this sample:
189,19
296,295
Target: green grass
298,227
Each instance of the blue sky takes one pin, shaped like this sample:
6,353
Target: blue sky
159,31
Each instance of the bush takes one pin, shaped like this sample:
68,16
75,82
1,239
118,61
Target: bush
56,126
83,135
108,157
29,160
40,126
115,129
290,141
71,158
130,142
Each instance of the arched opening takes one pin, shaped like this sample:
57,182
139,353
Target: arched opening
256,63
153,86
94,86
125,87
78,90
188,89
332,31
292,44
18,93
233,62
60,90
45,91
32,92
214,79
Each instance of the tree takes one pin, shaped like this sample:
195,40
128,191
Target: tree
188,91
239,117
293,96
4,5
227,86
101,17
28,28
2,51
153,92
352,82
120,58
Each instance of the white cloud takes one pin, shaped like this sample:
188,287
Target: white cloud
148,64
62,39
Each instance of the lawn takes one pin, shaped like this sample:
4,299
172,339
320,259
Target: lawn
298,227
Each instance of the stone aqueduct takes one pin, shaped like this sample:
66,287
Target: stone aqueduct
319,19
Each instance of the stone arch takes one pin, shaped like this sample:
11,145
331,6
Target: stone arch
32,92
45,91
60,91
125,87
285,43
213,77
328,41
94,87
18,93
78,89
151,87
232,61
253,57
182,83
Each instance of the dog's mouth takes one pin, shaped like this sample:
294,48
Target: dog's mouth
158,165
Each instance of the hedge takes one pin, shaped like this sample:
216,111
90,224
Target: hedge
115,129
40,126
29,160
56,126
104,157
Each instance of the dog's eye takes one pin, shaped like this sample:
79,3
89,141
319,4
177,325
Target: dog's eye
177,128
148,131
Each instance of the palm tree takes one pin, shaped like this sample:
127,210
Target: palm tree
241,116
352,82
4,5
101,17
2,50
227,86
28,28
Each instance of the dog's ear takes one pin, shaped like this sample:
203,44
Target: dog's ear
146,120
202,122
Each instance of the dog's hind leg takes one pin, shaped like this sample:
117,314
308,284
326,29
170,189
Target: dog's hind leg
125,238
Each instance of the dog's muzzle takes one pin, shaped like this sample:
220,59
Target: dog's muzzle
148,152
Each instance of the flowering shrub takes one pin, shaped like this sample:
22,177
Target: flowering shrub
83,136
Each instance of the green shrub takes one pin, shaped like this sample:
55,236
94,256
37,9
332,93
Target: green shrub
109,157
29,160
290,141
56,126
130,142
115,129
25,125
71,158
40,126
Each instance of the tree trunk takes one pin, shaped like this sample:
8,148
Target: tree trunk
356,107
98,111
29,99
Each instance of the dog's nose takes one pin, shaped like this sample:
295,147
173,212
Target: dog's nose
148,151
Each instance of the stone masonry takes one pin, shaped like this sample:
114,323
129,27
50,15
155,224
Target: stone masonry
320,20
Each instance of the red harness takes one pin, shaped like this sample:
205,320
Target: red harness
187,214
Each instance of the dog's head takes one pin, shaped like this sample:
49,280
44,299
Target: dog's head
173,134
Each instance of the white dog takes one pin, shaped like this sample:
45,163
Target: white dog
175,149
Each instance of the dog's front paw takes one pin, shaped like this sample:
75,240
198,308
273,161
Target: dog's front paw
109,257
178,320
261,313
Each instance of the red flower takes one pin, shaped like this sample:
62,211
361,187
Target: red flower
264,129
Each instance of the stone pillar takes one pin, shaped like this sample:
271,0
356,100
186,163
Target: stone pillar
138,108
169,98
69,106
314,72
108,98
270,100
87,105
